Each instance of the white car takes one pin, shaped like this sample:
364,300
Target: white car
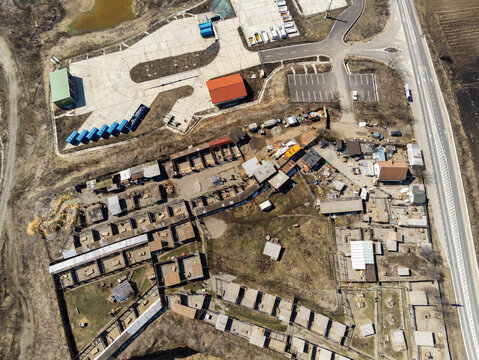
355,95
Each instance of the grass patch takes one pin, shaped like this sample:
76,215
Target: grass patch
392,109
317,28
92,302
155,69
372,21
305,269
268,322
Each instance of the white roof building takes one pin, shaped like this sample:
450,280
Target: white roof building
221,322
324,354
150,171
362,254
367,329
250,166
257,336
114,205
424,338
414,155
403,271
272,250
399,340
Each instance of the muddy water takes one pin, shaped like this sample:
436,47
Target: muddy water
104,14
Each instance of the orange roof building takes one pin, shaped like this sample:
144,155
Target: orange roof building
391,170
226,90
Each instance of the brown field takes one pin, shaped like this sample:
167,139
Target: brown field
305,270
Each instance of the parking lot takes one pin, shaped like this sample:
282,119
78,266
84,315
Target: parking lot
311,87
365,85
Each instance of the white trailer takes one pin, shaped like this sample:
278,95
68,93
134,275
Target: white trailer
288,24
282,33
264,36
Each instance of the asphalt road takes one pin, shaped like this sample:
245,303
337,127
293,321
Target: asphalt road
447,178
434,131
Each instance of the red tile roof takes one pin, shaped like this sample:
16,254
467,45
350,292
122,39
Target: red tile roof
220,142
226,88
392,170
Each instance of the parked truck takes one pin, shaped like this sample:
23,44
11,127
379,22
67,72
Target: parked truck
139,114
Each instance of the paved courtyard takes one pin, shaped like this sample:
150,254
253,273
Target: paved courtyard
311,7
257,15
312,87
365,86
110,94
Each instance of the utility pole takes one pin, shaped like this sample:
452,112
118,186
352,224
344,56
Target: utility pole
328,10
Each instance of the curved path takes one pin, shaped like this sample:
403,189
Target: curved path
434,135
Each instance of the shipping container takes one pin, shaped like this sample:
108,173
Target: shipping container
82,136
122,128
92,134
204,25
102,132
73,137
112,129
206,32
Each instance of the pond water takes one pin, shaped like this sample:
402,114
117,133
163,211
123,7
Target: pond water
104,14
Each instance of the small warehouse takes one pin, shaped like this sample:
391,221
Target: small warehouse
340,206
272,250
227,90
62,89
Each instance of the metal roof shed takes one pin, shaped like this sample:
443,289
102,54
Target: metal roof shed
362,254
123,291
279,180
424,338
325,354
257,336
272,250
265,171
414,155
114,205
221,322
151,171
367,330
61,88
250,166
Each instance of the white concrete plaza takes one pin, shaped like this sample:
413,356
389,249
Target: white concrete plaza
311,7
111,95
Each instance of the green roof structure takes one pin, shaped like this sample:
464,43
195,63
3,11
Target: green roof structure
61,88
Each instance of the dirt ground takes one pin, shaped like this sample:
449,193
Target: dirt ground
172,331
156,69
392,109
305,270
372,22
363,316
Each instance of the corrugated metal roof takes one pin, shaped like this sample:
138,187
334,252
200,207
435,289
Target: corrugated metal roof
59,85
226,88
362,253
114,205
98,253
250,166
414,155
